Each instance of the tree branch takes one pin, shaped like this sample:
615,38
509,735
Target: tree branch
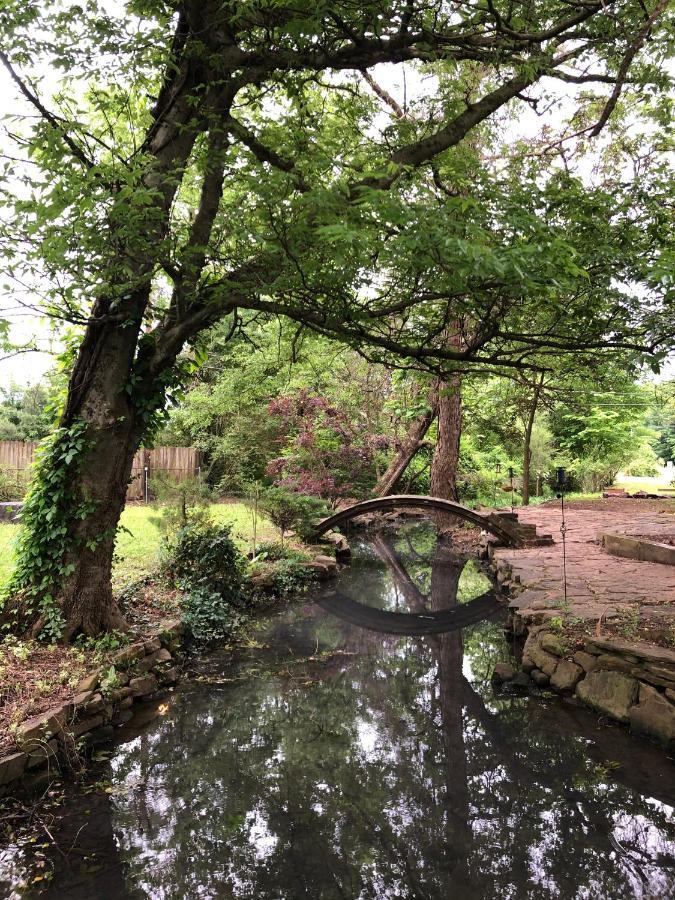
55,121
263,153
628,58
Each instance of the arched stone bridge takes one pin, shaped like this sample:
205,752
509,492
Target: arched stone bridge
415,501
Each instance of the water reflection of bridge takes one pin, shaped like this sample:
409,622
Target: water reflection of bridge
435,614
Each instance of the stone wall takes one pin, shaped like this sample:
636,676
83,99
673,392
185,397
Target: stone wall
629,681
59,737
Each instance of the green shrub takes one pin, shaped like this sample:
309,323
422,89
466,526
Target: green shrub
291,577
207,566
290,511
179,501
207,615
12,484
273,552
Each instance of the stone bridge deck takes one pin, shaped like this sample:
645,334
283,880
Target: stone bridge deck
597,582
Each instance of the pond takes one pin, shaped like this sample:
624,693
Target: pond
332,759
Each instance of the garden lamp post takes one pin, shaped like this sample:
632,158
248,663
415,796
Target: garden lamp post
560,492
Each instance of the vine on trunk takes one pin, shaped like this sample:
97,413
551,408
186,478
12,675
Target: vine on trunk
50,511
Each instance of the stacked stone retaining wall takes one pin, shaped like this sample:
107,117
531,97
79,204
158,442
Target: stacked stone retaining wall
628,681
61,736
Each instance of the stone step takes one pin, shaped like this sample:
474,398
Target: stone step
544,540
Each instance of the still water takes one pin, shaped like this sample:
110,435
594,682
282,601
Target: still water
335,759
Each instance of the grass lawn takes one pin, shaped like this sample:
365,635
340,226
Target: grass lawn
138,548
660,485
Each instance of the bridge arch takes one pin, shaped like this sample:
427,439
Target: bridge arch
416,501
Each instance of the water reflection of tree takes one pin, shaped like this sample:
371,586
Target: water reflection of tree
377,775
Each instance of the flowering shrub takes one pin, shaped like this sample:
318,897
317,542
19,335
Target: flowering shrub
324,452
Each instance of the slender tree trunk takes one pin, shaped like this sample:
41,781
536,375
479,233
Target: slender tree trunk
527,442
411,444
446,453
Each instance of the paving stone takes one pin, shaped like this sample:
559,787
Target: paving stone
88,683
85,725
598,584
43,754
152,645
586,660
543,660
643,674
169,676
94,706
326,560
120,694
146,684
503,672
128,654
82,698
155,659
635,650
171,629
664,672
40,728
552,644
611,661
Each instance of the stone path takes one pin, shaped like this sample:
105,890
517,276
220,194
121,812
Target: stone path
597,582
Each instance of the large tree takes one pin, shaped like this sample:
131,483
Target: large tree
200,158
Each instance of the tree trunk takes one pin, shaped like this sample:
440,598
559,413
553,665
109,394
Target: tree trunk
446,454
65,562
72,513
527,449
102,474
411,444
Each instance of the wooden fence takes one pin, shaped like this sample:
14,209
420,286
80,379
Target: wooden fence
178,462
